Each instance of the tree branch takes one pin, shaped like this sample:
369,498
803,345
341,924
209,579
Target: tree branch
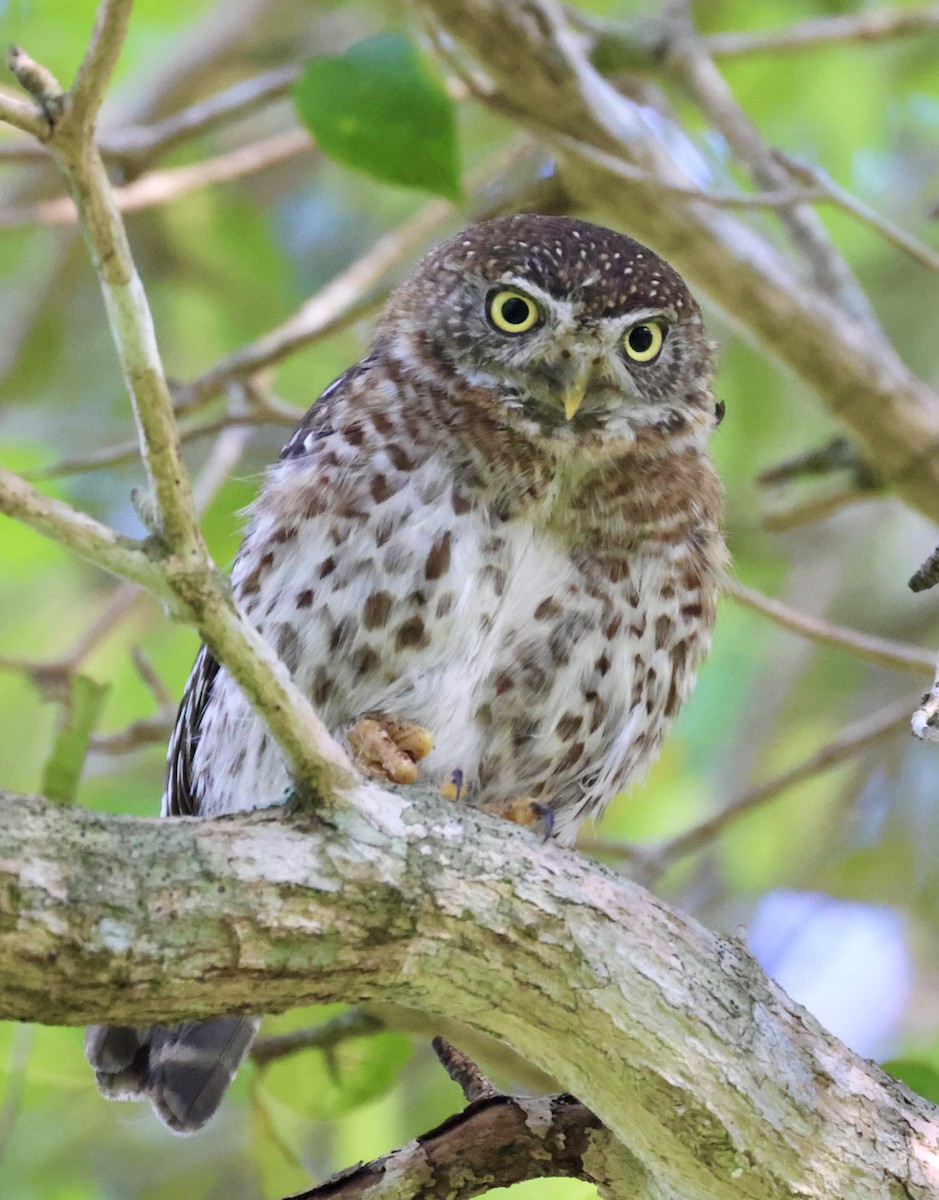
874,25
639,1011
494,1142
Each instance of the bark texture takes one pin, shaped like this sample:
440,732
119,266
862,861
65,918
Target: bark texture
713,1083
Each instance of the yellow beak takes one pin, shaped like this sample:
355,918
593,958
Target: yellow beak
573,395
574,398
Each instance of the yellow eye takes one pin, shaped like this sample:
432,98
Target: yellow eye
512,312
643,342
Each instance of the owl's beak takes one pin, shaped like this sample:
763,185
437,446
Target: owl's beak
573,394
574,398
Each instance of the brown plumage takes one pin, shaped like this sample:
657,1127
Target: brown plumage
502,525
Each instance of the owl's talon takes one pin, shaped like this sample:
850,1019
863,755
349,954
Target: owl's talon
525,810
453,788
389,748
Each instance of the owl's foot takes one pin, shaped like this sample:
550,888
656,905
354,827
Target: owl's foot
389,748
525,810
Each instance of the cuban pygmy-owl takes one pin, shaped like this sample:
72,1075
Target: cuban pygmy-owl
501,527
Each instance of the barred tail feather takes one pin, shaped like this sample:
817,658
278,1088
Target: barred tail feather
183,1070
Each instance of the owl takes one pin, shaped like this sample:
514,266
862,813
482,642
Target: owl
490,555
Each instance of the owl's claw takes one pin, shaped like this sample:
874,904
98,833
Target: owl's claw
454,787
389,748
525,810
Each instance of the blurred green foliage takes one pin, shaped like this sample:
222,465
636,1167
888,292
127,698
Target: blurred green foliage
225,264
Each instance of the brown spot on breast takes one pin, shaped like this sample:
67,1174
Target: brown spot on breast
327,566
603,663
460,504
572,757
438,558
547,609
354,434
286,533
671,704
342,632
664,628
504,683
376,610
287,644
568,725
444,604
691,611
398,457
612,628
305,598
381,422
496,577
253,582
366,661
411,633
380,489
322,686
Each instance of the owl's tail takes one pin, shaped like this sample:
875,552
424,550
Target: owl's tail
183,1070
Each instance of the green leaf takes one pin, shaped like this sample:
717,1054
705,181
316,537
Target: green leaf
326,1084
82,713
919,1076
379,109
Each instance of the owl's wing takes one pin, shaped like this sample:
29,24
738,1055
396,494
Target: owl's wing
179,799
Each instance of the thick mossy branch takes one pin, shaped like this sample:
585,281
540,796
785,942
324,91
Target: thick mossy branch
709,1077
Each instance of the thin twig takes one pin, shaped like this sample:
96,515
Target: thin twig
39,82
882,651
462,1070
94,72
124,452
148,731
924,722
778,198
694,69
163,187
815,177
83,535
136,146
876,24
856,738
817,508
352,1024
343,299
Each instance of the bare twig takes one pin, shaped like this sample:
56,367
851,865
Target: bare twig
163,187
94,72
352,1024
148,731
44,88
927,575
124,452
462,1070
136,146
693,68
83,535
882,651
784,197
924,723
817,508
875,24
812,176
852,740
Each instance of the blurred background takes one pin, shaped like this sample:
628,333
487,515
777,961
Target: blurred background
823,853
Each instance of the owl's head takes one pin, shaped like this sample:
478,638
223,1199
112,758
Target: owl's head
573,327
